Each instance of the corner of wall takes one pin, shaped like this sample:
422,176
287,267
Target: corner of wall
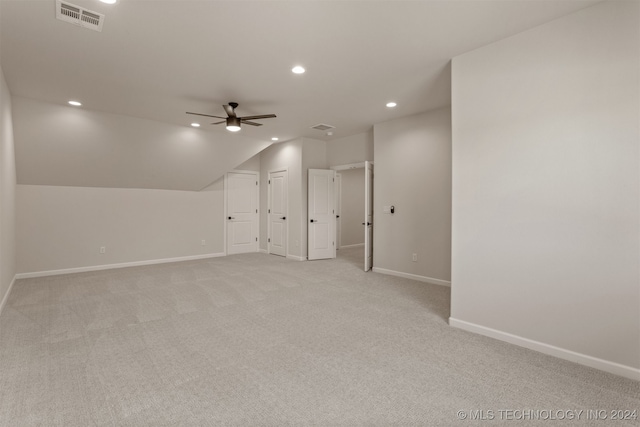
8,184
413,173
546,192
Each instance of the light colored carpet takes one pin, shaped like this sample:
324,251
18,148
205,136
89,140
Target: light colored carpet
260,340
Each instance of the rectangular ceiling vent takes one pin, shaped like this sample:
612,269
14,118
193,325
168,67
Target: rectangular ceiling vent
79,16
323,127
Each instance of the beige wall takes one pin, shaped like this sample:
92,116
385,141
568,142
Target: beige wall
351,149
69,146
352,213
7,192
253,164
64,227
413,173
546,146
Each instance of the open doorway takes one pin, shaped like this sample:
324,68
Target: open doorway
354,215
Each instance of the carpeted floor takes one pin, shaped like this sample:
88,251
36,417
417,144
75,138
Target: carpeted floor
260,340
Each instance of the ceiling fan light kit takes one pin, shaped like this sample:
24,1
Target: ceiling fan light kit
233,122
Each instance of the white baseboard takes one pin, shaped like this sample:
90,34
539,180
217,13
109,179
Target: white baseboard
111,266
5,298
297,258
351,246
412,276
572,356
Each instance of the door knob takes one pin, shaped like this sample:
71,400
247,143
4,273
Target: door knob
284,217
231,217
312,220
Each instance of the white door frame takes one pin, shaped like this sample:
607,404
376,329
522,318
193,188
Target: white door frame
368,216
359,165
226,205
338,206
286,171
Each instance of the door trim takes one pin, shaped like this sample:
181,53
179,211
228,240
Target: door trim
338,208
368,212
338,168
226,205
285,170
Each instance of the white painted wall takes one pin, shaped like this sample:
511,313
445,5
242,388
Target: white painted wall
276,157
546,187
352,213
64,227
7,192
253,164
69,146
413,173
351,149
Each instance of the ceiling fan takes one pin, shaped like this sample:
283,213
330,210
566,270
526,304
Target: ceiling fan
233,122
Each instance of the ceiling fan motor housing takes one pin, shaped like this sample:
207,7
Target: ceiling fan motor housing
233,121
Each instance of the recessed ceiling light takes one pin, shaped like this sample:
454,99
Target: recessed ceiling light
298,69
75,103
391,104
274,138
195,125
108,1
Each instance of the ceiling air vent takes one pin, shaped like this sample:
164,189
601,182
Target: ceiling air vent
79,16
322,127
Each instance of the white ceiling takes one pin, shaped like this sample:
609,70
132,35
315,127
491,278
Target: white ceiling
158,59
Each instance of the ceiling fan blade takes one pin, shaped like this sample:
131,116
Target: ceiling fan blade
230,111
206,115
245,122
264,116
217,123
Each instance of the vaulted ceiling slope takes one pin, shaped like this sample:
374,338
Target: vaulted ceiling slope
60,145
155,60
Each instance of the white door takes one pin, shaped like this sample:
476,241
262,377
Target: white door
321,214
241,189
277,213
338,209
368,216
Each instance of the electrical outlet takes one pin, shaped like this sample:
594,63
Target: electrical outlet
103,249
415,258
203,242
